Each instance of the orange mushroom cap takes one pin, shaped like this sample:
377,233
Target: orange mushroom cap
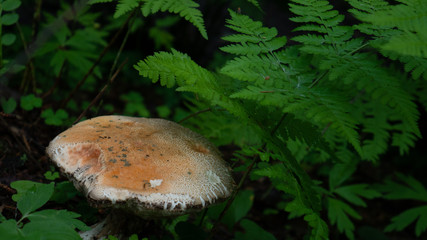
153,166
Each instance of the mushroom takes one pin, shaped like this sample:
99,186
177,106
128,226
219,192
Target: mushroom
150,167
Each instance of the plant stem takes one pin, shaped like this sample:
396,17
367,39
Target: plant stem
101,92
97,61
194,114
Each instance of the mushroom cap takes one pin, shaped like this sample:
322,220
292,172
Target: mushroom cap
153,167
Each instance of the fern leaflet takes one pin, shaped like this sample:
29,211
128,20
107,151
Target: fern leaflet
185,8
125,6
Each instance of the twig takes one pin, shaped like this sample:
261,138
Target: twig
194,114
29,66
97,61
7,188
101,92
121,48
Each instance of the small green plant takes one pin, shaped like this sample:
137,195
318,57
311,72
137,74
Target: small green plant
42,224
56,118
8,105
30,102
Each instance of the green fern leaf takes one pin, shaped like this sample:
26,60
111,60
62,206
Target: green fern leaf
171,69
407,188
338,213
401,221
125,6
283,180
185,8
352,193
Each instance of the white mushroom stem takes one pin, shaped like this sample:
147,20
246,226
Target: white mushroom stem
94,232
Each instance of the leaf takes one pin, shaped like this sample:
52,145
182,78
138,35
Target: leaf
58,217
63,192
338,213
238,209
10,5
9,230
31,195
340,172
352,193
8,39
252,231
410,189
403,220
9,19
124,6
9,105
29,102
185,8
49,175
54,118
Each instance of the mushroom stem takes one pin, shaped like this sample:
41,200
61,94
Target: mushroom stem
117,223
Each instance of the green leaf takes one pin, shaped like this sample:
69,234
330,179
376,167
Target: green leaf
238,209
340,172
9,19
54,118
9,230
338,213
8,39
58,217
352,193
402,220
9,105
49,175
185,8
63,192
410,189
30,102
32,197
124,6
163,111
252,231
10,5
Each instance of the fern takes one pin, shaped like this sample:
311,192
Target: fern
339,60
340,211
125,6
282,180
407,188
396,30
185,8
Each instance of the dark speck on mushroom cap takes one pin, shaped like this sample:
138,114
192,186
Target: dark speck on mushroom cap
155,162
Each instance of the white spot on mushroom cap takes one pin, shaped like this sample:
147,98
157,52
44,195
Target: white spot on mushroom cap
156,182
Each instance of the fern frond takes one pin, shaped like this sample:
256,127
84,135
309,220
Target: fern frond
408,44
319,18
324,109
171,69
185,8
125,6
283,180
176,68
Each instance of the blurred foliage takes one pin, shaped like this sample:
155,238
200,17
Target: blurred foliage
307,94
